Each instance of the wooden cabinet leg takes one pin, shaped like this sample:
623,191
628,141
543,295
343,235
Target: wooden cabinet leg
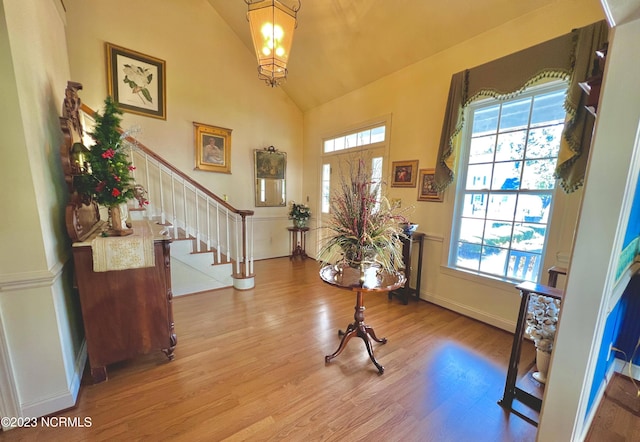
99,374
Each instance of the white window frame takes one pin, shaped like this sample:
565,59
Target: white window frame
384,121
461,177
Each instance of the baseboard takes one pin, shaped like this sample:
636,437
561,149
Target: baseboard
627,369
64,399
481,316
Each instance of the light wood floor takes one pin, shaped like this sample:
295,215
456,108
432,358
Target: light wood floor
250,366
618,416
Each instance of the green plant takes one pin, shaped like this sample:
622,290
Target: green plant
299,211
109,181
363,225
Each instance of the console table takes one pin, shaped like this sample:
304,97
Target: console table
351,279
125,312
298,242
522,386
407,252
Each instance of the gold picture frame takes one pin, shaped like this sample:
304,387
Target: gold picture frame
426,188
404,173
136,82
212,148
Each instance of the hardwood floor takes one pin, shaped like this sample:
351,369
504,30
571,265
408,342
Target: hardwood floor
250,365
618,416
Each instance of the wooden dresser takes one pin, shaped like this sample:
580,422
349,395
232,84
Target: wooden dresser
126,312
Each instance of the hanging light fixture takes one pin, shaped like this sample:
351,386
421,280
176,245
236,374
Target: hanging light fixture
272,25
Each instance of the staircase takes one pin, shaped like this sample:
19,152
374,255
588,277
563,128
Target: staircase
213,241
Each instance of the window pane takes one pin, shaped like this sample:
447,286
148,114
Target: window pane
515,114
548,108
485,120
498,234
364,137
338,143
350,141
544,141
511,145
481,149
493,260
468,255
523,265
533,208
506,176
326,177
377,134
475,205
478,176
529,237
501,206
538,174
471,230
328,145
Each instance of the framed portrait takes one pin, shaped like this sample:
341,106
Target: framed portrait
426,186
136,82
213,148
404,173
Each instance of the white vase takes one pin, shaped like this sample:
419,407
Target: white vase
542,365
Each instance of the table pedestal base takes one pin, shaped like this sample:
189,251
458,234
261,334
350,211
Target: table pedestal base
360,329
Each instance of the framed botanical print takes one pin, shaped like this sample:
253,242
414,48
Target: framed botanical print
212,148
426,186
404,173
136,82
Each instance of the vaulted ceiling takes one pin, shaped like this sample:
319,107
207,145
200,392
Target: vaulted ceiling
342,45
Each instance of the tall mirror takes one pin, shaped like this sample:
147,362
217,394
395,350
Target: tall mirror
270,172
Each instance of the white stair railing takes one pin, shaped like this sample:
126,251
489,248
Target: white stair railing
193,211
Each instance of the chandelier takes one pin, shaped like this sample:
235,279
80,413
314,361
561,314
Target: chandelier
272,25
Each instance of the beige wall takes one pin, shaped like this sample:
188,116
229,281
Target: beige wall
416,97
40,333
211,78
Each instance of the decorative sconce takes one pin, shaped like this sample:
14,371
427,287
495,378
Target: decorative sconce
79,155
272,25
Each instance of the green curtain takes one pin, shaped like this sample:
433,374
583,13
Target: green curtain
505,78
578,128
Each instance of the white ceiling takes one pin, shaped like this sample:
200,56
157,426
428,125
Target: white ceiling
342,45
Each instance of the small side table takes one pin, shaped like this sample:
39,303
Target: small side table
372,281
407,247
298,242
519,386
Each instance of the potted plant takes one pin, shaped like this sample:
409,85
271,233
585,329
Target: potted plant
363,228
108,179
299,213
542,319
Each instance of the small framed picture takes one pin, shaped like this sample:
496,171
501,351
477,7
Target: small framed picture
213,148
136,82
404,173
426,186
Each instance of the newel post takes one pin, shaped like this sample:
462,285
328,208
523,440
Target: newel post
245,279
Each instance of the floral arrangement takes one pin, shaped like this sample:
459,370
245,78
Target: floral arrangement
363,225
542,318
108,181
299,211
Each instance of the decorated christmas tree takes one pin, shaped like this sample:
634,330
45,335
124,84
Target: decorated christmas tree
109,180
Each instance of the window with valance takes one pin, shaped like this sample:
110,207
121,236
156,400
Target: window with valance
569,57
